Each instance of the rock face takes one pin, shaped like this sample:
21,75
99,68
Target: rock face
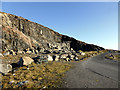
19,34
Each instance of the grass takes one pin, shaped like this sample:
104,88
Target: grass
114,57
39,75
46,75
90,53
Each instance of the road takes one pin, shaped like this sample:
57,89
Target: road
95,72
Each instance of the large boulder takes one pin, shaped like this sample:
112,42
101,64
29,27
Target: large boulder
25,61
5,68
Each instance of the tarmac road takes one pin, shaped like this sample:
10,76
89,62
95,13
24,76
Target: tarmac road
96,72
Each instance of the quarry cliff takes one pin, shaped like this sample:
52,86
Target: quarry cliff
19,34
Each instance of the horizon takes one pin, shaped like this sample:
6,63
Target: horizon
45,20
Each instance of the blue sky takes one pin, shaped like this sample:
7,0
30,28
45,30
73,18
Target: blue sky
91,22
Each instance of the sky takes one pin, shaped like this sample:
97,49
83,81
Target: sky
90,22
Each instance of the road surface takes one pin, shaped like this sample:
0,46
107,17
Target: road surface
96,72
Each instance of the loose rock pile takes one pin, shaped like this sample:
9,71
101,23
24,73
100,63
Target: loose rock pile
47,55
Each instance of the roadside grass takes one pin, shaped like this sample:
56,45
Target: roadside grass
90,53
114,57
46,75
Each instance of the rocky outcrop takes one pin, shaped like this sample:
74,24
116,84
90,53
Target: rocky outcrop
19,34
78,45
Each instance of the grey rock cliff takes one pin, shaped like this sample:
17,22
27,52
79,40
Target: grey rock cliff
19,34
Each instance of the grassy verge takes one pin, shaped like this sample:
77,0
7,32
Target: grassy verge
90,54
47,75
112,57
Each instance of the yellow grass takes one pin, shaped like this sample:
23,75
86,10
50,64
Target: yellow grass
39,75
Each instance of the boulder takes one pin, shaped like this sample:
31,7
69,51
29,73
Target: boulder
6,53
59,47
55,58
14,65
67,59
56,52
28,49
72,56
47,51
25,61
5,68
71,49
50,58
19,52
82,53
37,59
36,51
40,59
42,50
12,52
76,59
1,55
63,56
29,52
33,51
